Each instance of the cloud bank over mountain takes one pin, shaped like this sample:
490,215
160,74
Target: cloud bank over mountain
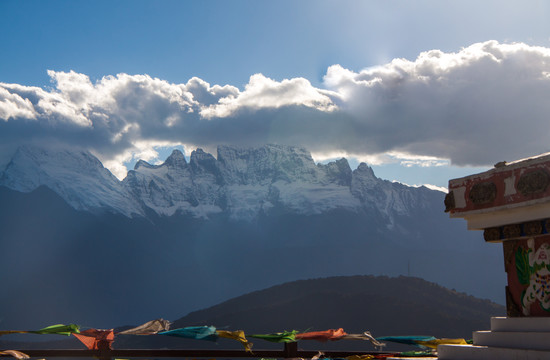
482,104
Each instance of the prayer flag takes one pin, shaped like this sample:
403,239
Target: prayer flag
58,329
285,336
364,336
16,354
360,357
95,339
236,335
409,340
194,332
433,343
149,328
323,336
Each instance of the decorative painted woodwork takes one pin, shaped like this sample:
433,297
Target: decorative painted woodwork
511,204
533,182
527,264
449,201
483,193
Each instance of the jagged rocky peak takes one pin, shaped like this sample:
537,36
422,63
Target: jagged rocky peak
338,172
365,171
176,160
266,164
144,164
164,188
363,181
203,162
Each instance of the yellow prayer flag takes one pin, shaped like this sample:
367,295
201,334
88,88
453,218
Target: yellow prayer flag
360,357
433,343
236,335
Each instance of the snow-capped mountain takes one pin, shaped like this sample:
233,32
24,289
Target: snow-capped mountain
77,176
241,183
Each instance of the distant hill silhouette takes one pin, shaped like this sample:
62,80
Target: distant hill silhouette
379,304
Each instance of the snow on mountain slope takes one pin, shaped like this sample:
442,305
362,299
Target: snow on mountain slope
275,175
387,196
241,183
267,164
77,176
176,185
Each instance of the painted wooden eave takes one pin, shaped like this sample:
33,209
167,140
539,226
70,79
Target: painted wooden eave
510,193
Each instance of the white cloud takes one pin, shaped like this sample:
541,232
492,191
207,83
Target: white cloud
14,106
481,104
391,157
435,187
207,95
26,102
485,103
262,92
409,160
429,186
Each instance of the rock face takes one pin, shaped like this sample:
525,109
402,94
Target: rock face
241,183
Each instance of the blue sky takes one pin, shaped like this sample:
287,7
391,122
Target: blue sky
357,100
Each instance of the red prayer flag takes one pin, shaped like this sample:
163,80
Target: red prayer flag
96,339
322,335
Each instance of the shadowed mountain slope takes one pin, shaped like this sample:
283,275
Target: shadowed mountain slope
383,305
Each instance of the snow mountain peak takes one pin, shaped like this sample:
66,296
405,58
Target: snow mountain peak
241,183
77,176
176,160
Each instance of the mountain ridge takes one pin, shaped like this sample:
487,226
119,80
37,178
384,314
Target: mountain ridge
241,183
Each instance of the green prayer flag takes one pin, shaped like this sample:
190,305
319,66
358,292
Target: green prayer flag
285,336
58,329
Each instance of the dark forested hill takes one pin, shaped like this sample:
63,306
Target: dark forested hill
383,305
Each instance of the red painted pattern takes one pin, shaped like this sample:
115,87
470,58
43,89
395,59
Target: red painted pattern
497,176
